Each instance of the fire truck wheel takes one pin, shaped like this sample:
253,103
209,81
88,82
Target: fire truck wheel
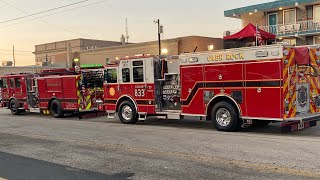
127,113
14,107
56,109
224,117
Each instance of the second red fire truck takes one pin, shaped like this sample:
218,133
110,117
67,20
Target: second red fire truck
231,88
53,92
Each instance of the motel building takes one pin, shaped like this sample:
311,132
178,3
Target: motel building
294,22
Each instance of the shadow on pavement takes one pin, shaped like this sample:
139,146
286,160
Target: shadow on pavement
20,168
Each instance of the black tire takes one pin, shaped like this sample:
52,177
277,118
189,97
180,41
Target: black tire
56,109
127,107
225,109
14,107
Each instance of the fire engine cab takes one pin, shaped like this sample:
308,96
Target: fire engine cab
231,88
53,92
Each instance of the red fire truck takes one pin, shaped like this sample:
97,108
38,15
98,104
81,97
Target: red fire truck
53,91
231,88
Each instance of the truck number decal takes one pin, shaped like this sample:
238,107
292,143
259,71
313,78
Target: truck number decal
139,92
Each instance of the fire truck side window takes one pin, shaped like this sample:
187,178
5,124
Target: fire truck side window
138,71
111,76
17,82
125,75
11,83
138,74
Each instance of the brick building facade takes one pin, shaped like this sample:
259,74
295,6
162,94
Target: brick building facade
56,53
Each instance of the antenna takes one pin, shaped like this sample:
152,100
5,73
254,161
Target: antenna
14,57
127,31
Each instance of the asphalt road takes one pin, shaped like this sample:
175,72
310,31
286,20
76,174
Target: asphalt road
40,147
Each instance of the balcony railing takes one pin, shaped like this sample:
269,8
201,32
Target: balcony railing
298,28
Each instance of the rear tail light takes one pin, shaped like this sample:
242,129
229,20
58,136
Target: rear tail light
286,106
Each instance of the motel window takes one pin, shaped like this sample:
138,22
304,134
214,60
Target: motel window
111,76
292,41
289,16
125,75
309,12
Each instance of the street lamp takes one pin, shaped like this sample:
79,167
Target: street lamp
164,51
210,47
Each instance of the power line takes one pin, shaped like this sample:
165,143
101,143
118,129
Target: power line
15,50
17,54
45,11
63,28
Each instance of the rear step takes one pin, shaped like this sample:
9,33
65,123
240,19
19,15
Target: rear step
111,115
142,117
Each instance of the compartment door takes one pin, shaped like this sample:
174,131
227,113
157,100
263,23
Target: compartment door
263,89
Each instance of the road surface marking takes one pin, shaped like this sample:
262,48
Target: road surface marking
263,167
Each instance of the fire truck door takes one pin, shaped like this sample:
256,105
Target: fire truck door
15,87
125,78
112,85
192,90
142,93
5,89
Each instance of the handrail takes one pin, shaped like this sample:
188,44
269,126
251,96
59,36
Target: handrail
299,27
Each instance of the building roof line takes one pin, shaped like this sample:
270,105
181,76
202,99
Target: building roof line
78,39
266,6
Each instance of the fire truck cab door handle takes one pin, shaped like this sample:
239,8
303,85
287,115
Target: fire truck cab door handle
118,88
220,77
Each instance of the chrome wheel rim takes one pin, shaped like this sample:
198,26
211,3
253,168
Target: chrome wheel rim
126,112
223,117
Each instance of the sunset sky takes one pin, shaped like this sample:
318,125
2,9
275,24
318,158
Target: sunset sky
106,20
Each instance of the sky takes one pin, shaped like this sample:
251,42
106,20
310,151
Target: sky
105,20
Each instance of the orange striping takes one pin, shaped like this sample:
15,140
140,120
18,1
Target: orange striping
312,110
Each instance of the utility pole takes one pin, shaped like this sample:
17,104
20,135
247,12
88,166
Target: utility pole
46,59
14,58
159,34
68,53
127,31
